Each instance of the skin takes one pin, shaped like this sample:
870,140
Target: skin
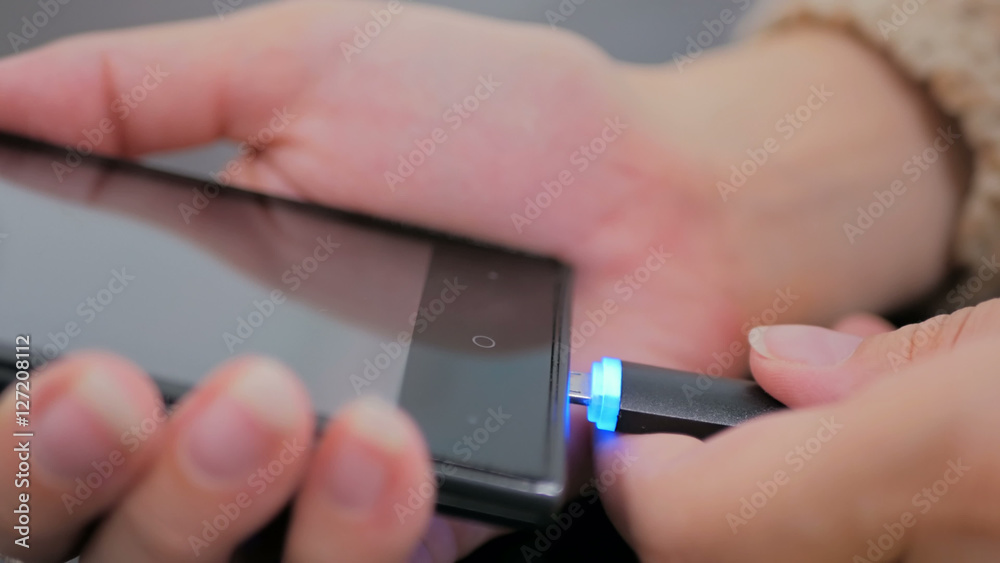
908,408
656,185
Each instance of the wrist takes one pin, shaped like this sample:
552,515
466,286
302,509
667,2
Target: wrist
834,178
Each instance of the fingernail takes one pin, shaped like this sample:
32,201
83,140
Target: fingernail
375,434
809,345
268,388
229,439
82,426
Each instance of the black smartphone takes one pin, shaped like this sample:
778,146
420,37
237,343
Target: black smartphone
180,274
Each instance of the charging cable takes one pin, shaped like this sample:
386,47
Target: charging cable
638,399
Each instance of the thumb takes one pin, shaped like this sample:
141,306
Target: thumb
807,365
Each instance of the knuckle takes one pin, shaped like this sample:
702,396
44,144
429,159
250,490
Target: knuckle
942,333
150,533
937,334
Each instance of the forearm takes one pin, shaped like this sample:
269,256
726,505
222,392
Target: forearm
801,130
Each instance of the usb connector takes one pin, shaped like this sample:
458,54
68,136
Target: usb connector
579,388
637,399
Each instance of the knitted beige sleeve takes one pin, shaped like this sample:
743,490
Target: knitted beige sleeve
953,48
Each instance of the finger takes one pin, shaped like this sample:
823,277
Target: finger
93,419
805,365
911,456
863,325
152,88
450,539
967,549
232,456
354,503
343,131
624,459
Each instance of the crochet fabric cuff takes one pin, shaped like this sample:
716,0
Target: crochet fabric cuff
952,47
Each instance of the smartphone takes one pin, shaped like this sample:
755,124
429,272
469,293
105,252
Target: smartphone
180,274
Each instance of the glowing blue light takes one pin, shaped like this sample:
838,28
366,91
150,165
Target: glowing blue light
606,393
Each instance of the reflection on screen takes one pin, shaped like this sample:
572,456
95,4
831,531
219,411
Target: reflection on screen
118,261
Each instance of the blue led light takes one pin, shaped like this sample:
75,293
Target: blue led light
606,393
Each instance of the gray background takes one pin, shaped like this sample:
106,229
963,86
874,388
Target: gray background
645,31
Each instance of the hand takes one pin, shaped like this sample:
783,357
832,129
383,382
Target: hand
895,458
668,272
352,116
192,486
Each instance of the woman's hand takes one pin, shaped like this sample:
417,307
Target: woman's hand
639,153
895,459
191,487
535,139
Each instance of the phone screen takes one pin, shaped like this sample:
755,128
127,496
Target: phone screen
179,275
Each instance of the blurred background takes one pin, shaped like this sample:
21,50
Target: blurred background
641,31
